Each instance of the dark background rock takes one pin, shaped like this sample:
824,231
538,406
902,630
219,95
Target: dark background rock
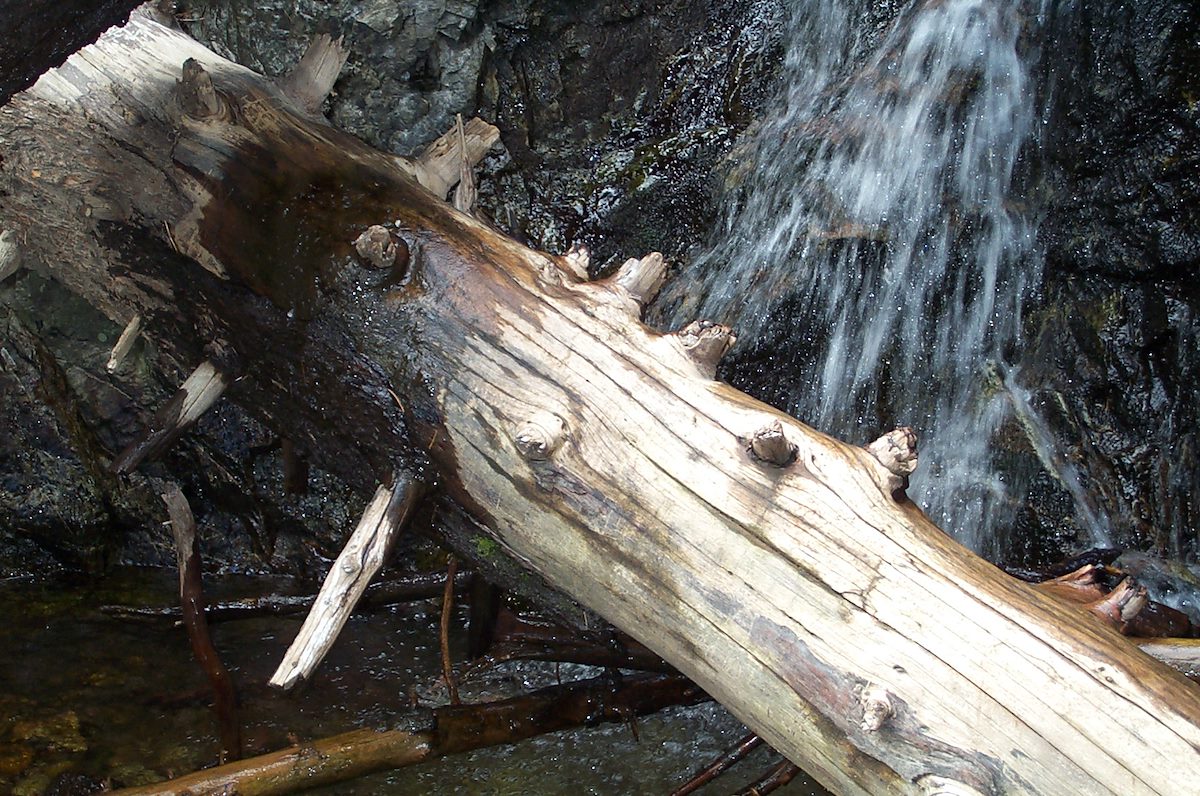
1113,354
40,34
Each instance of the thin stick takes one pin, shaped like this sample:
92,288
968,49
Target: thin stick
719,766
779,775
191,596
447,609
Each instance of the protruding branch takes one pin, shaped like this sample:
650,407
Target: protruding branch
877,707
464,193
196,396
440,166
197,96
641,279
124,344
897,452
191,598
10,254
540,436
348,578
1080,586
769,444
1121,605
312,78
706,342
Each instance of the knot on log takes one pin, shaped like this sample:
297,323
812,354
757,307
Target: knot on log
877,707
197,96
540,436
379,249
706,343
769,444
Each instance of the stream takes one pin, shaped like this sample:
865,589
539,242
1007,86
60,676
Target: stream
87,698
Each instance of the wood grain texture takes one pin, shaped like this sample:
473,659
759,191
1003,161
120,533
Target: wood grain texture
802,597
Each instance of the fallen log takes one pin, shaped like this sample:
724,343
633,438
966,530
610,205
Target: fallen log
782,570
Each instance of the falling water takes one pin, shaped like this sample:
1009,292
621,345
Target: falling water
881,215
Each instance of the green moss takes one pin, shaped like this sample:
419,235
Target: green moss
485,547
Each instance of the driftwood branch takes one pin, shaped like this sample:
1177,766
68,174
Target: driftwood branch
348,578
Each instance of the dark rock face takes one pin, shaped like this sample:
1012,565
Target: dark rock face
1113,359
39,34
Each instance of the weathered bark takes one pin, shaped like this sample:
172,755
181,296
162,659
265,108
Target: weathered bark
782,570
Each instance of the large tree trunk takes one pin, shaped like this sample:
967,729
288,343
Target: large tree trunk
789,577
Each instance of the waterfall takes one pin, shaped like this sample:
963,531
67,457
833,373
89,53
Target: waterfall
878,230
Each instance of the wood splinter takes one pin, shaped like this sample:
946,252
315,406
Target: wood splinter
706,343
769,444
464,192
194,397
348,578
10,254
124,344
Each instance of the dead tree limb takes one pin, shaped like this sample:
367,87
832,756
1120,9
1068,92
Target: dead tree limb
191,599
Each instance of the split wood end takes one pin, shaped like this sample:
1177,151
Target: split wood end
311,80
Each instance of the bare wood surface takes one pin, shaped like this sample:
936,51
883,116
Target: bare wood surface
788,591
362,556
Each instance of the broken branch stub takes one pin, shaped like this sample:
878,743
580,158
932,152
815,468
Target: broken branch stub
770,444
194,397
897,452
706,343
311,79
642,278
197,96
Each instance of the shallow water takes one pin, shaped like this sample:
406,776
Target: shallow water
118,699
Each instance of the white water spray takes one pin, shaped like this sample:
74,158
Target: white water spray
881,212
